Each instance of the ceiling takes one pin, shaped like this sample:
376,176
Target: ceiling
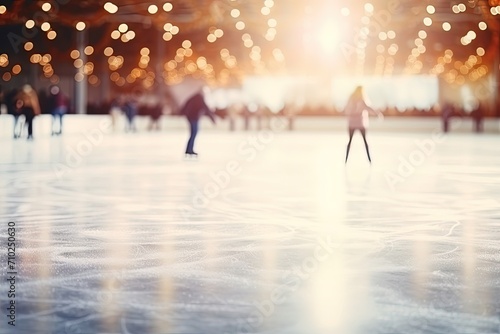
223,41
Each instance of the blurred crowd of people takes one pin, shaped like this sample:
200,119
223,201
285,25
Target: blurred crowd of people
24,104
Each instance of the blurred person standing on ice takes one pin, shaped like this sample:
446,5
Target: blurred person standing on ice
193,109
357,112
59,105
27,102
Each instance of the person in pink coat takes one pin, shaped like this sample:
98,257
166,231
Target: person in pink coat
357,112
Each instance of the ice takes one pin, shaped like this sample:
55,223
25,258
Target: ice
136,239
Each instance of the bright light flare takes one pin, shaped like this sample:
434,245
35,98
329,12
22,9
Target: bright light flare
110,7
329,36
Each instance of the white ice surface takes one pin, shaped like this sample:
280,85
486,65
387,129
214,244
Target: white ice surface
125,241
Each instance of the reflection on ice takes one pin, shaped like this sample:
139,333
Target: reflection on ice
298,242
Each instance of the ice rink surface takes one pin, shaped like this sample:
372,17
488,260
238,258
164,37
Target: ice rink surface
266,232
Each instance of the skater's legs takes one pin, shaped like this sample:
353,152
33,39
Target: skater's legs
16,121
363,133
29,123
351,133
193,126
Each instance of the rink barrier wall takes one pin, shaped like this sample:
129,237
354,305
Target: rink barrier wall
75,124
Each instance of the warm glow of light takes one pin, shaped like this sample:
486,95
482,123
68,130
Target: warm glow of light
80,26
483,26
167,26
6,76
393,49
211,38
391,34
30,24
422,34
271,33
88,68
345,11
115,34
28,46
3,9
123,28
130,35
235,12
46,7
265,11
272,23
329,36
428,21
45,26
218,33
16,69
186,44
108,51
431,9
51,35
446,26
75,54
34,58
167,36
480,51
145,51
174,30
153,9
89,50
79,77
201,62
114,76
269,3
78,63
224,53
369,8
168,7
93,79
278,55
110,7
240,25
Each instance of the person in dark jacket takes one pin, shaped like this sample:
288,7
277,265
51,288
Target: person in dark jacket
193,109
130,108
59,105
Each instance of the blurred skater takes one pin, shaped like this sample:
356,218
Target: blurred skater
115,110
27,101
17,112
478,116
357,112
130,109
446,115
14,108
59,107
155,112
193,109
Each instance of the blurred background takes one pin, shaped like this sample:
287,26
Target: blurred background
300,57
